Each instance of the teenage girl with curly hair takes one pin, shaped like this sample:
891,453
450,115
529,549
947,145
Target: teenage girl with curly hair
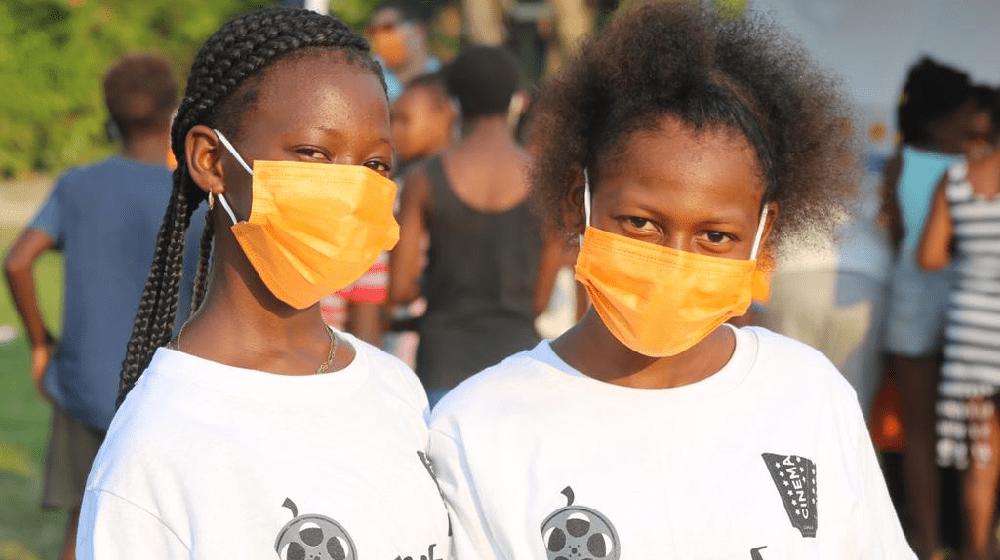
258,431
679,147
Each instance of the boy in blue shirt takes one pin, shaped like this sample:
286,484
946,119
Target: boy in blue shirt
104,218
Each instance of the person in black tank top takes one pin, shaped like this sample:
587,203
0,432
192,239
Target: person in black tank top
484,278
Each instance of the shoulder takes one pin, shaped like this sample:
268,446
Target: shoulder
499,387
389,371
114,171
146,433
784,363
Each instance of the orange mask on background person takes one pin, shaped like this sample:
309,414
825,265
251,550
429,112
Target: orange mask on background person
656,300
390,45
314,227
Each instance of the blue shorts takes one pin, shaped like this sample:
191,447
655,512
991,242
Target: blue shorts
915,314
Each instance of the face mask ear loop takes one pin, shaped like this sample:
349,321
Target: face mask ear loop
760,233
225,206
586,201
232,150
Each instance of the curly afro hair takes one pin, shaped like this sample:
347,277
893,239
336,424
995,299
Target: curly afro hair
683,60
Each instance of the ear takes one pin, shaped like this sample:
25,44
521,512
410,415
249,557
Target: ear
203,150
574,215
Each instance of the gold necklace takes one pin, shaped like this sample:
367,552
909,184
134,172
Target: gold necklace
334,342
323,368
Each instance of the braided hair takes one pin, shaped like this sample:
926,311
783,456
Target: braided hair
222,85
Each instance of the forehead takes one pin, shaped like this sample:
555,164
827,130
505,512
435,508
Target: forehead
320,89
681,168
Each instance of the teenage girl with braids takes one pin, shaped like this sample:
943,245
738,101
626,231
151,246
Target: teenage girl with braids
678,147
258,431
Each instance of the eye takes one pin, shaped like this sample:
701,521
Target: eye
379,166
716,236
635,222
312,153
717,240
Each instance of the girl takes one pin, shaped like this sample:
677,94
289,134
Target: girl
258,431
680,145
965,214
933,116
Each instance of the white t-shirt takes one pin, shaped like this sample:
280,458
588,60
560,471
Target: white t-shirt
769,458
209,461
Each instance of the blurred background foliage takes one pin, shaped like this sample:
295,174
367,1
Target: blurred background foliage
53,55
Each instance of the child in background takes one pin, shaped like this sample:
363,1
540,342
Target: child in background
258,431
423,120
681,145
423,125
103,218
964,227
486,276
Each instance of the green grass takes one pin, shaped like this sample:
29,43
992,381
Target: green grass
26,532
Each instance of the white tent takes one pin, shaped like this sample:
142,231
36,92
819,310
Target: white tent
871,43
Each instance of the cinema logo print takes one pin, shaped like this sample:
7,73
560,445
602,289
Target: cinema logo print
579,533
795,478
313,537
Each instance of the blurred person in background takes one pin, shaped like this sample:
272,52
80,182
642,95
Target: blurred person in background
545,31
964,228
423,125
423,120
398,33
983,124
357,308
104,219
933,115
488,269
829,292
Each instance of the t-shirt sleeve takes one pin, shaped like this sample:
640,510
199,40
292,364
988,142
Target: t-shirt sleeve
113,528
47,220
470,539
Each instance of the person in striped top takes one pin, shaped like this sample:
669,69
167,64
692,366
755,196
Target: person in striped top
964,226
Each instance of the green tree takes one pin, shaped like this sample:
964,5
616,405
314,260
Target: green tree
53,54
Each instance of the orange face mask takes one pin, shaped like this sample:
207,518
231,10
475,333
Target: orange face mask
314,227
660,301
390,46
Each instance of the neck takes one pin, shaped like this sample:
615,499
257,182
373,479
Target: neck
591,348
148,148
241,323
488,126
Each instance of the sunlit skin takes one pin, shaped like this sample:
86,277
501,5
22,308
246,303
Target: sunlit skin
695,191
421,123
316,108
